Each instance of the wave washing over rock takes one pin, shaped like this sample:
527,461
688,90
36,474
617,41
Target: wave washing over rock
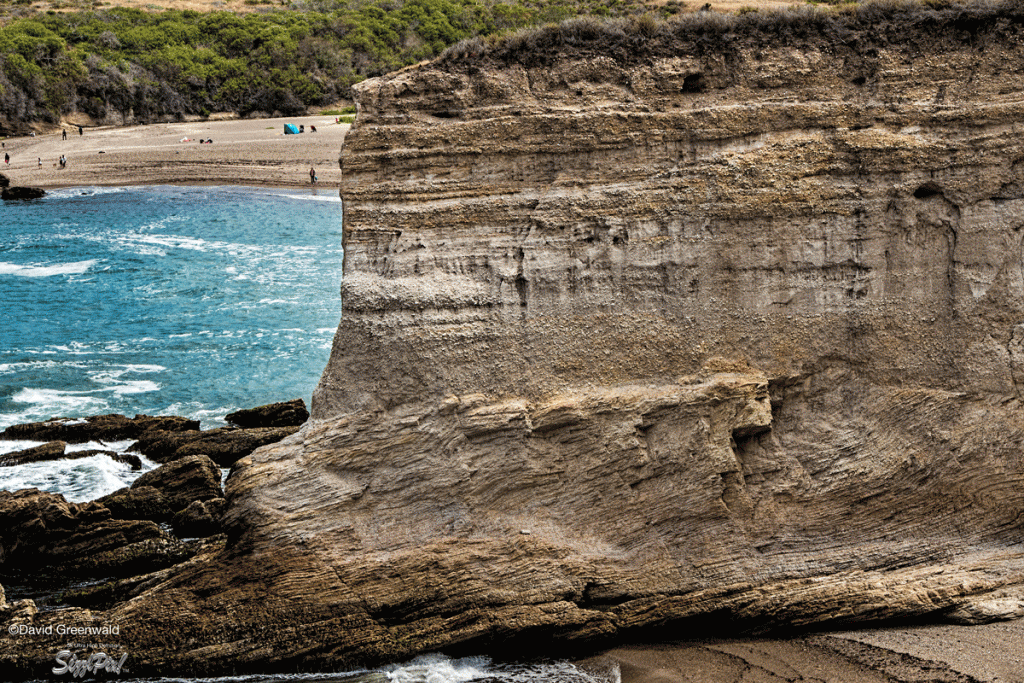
714,326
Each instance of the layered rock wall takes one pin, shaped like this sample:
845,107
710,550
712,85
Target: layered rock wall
816,222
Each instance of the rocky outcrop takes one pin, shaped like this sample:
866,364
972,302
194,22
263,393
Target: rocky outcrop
55,450
188,479
137,502
200,519
45,539
706,327
225,444
286,414
17,193
96,428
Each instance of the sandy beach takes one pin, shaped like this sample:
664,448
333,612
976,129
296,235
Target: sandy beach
941,653
249,152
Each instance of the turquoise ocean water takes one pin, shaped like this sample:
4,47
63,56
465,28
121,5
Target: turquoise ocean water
191,301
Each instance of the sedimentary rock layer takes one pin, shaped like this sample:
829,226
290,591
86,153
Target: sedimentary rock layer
649,330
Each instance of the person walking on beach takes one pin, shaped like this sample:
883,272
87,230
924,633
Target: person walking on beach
312,176
79,130
7,158
64,134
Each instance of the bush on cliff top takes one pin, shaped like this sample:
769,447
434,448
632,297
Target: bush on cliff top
634,37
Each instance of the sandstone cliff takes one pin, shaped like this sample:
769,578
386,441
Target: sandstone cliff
714,324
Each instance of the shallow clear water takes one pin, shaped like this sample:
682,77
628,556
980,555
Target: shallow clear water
192,301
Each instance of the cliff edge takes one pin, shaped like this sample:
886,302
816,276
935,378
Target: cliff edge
650,328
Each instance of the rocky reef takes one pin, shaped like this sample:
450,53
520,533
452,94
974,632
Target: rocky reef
708,326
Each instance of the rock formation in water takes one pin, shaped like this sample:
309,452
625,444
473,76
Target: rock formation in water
647,328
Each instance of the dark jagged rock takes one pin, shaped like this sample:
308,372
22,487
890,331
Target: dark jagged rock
56,450
160,445
199,519
96,428
187,479
46,538
109,593
53,450
140,502
18,193
4,181
285,414
224,445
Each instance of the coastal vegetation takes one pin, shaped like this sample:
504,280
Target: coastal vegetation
120,63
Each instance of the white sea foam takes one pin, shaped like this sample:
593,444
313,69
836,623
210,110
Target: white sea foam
117,384
78,480
136,387
59,402
209,418
9,368
118,446
45,270
436,668
69,192
330,197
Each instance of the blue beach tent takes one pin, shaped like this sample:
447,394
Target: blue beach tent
291,129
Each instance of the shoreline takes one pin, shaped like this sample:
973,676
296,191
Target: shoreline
244,152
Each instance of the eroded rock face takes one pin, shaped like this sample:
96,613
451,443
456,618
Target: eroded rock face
712,328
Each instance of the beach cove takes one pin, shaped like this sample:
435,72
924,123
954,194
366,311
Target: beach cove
246,152
665,383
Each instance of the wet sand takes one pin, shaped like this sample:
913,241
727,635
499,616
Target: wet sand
250,152
990,653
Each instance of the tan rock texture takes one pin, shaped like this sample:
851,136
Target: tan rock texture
716,326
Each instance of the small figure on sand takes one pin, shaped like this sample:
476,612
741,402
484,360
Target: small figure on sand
64,134
79,130
63,161
7,158
312,176
312,128
40,160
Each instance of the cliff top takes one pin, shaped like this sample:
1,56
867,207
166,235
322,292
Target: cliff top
882,22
